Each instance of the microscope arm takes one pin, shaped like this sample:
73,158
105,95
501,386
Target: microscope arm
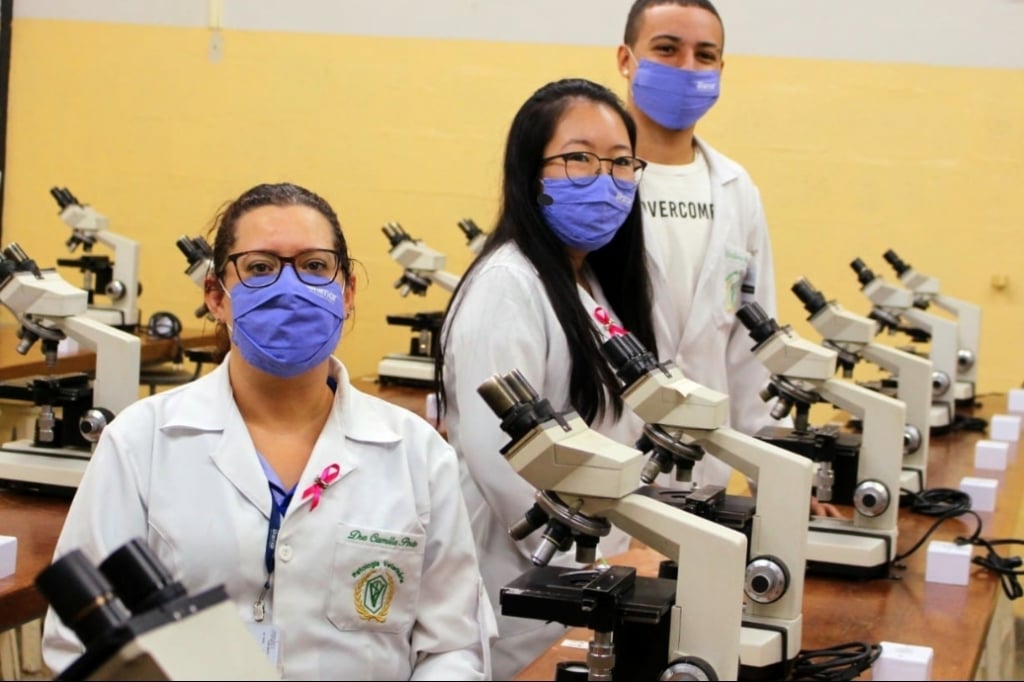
968,316
707,616
914,385
126,266
117,360
881,449
943,351
784,482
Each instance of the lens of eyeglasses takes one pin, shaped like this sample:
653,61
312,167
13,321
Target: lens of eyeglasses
315,267
582,168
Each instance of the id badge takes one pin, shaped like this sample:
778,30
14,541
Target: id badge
269,640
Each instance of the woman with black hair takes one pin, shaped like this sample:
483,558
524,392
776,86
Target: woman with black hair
568,239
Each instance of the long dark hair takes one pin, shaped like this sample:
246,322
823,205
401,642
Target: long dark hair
620,266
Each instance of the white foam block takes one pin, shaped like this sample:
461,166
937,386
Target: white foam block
991,454
903,662
1005,427
948,563
982,492
1015,401
8,555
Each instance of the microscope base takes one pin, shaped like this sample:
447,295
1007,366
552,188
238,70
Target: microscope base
406,370
50,470
963,393
940,418
912,479
767,650
837,548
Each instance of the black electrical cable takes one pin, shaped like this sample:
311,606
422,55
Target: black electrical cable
948,503
841,662
937,501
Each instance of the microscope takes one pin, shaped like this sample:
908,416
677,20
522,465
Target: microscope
804,374
117,280
891,306
851,336
137,623
968,318
683,420
644,627
423,266
73,411
199,254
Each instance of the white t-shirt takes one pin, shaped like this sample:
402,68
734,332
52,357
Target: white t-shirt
678,211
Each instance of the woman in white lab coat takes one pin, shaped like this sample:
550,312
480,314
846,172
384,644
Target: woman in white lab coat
277,438
568,239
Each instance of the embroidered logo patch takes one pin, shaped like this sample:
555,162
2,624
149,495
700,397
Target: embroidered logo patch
375,589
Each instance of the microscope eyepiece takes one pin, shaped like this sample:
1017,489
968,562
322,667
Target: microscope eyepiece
470,229
628,357
757,322
139,579
82,597
395,233
864,274
812,299
896,262
63,196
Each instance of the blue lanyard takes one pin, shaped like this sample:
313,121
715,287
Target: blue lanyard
273,528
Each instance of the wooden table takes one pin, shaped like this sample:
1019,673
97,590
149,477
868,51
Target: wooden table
953,620
36,522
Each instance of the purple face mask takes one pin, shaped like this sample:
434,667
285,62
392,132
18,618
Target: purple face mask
289,327
586,218
674,98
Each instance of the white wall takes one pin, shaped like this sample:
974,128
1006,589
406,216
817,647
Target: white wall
976,33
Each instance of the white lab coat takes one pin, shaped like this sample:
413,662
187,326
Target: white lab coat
504,321
714,349
179,470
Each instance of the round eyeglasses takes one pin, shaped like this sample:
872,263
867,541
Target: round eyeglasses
258,269
582,168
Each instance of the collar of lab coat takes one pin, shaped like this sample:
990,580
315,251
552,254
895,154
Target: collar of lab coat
211,407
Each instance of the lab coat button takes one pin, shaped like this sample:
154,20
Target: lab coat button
285,552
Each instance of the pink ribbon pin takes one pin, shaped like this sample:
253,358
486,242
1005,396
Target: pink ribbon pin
602,316
328,476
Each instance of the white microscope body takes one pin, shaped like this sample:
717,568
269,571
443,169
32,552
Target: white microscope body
88,227
660,395
587,480
853,335
50,309
893,303
968,318
422,267
803,373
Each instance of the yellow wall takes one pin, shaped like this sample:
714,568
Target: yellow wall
851,158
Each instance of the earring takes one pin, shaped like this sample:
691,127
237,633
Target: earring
543,198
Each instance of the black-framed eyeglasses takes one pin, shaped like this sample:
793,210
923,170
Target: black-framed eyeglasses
582,168
258,269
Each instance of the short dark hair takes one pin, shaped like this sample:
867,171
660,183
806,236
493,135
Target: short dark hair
640,6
